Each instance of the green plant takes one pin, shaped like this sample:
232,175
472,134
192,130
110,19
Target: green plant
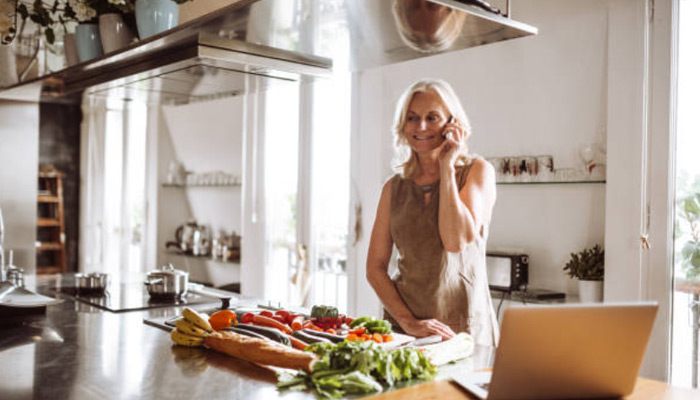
588,265
688,227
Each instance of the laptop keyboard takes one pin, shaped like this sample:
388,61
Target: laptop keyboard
484,385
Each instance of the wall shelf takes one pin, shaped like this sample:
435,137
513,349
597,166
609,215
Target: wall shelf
203,258
199,185
553,182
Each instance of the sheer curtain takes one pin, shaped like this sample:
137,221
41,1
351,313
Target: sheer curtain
92,154
113,187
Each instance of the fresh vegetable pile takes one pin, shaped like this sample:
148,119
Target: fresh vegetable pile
357,368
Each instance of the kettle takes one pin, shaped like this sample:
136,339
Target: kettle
184,236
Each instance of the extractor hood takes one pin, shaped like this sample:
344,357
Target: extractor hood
390,31
269,41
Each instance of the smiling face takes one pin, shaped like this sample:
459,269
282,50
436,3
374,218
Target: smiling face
425,119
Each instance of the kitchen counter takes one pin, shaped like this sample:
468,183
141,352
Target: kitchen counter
78,351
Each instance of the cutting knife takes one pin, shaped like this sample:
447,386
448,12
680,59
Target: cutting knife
422,341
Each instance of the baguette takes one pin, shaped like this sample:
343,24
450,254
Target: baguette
259,351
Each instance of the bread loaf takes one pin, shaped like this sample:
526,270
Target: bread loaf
259,351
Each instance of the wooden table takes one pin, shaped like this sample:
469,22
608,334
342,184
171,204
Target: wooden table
646,389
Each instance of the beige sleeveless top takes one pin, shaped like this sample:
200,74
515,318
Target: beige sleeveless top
450,287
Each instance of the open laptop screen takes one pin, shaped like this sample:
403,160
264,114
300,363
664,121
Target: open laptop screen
571,351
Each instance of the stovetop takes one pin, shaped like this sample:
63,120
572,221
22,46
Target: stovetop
131,297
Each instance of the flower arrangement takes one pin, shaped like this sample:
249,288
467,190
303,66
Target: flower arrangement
50,14
89,10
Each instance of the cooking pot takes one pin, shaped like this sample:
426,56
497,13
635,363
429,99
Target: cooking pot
92,283
167,282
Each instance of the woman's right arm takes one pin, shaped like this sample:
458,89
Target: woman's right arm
378,257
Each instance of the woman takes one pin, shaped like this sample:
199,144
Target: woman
436,211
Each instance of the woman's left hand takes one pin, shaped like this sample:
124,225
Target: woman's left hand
450,148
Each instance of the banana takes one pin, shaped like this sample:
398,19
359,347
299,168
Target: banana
190,328
198,319
184,339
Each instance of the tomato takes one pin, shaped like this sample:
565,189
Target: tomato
247,318
266,313
283,313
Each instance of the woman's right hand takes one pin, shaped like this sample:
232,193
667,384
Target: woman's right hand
427,327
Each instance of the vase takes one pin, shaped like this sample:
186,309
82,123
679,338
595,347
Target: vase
87,37
8,66
155,16
70,49
114,32
590,291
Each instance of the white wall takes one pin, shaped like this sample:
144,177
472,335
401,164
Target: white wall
205,137
539,95
19,163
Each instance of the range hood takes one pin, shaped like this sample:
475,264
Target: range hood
390,31
257,43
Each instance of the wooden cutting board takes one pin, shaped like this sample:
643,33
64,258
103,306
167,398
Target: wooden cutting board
399,339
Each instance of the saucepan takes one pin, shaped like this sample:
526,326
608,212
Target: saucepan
167,283
91,283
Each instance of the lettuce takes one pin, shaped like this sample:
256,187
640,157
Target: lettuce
357,368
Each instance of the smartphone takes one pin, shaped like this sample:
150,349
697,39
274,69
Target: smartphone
450,121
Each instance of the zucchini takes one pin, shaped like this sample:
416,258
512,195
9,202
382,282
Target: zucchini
245,332
323,335
304,337
270,333
360,321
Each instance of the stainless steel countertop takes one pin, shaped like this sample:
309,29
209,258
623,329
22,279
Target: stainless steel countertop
77,351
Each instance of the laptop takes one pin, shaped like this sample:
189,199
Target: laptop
566,352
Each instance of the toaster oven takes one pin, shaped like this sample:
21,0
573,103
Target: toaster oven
507,271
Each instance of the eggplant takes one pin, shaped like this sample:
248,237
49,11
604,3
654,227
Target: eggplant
323,335
310,339
270,333
245,332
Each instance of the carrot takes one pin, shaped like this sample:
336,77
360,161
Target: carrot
359,331
296,343
366,336
266,321
312,326
387,338
377,337
351,337
298,323
331,331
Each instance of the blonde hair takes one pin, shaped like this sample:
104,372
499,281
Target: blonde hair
449,29
406,160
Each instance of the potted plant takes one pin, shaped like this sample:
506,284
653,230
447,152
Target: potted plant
687,232
588,267
13,21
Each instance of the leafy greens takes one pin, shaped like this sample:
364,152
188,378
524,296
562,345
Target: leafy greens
357,368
